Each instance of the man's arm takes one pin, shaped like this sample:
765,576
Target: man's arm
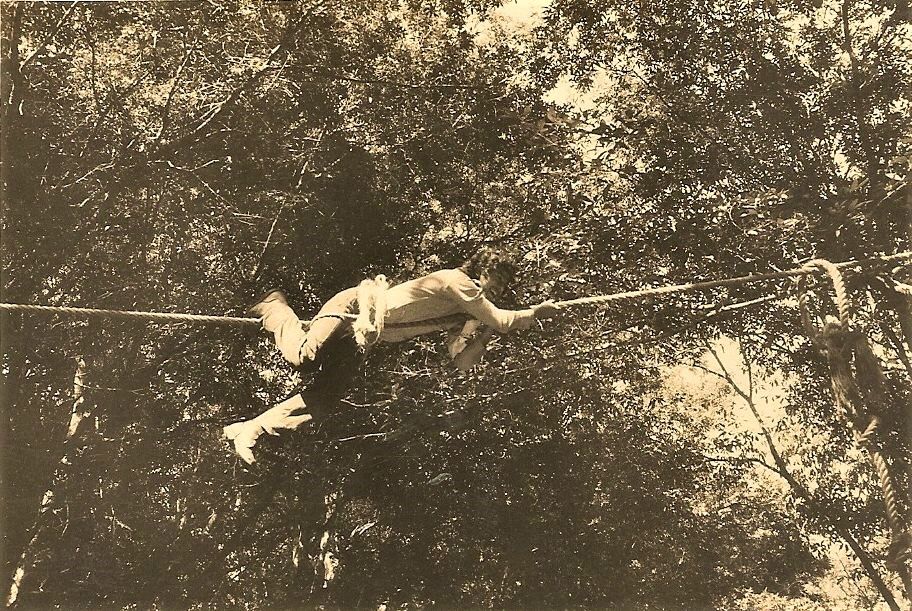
472,301
468,350
469,345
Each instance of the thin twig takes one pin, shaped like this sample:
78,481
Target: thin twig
365,436
403,84
50,36
166,109
199,179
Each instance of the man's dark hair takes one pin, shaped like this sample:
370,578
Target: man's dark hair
488,260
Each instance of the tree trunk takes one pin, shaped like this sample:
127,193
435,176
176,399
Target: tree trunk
78,413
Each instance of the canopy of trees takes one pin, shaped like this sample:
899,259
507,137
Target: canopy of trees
182,156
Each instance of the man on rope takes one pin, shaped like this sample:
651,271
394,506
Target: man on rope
442,300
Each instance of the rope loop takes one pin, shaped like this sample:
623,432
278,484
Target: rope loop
368,326
843,303
853,388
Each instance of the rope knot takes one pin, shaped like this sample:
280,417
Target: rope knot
368,326
863,439
854,390
843,304
835,338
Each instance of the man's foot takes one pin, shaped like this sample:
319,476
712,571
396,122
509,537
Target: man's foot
260,306
244,435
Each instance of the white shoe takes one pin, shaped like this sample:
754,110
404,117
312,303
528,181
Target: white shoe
245,433
261,306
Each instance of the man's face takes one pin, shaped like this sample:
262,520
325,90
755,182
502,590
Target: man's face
493,282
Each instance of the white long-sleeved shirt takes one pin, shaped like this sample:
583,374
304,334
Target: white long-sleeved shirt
443,293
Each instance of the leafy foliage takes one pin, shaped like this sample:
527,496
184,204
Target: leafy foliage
181,157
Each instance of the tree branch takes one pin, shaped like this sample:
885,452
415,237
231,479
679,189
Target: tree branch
47,39
166,110
403,84
78,412
799,489
857,102
15,81
219,108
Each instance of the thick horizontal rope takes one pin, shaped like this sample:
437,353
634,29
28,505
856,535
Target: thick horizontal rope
696,286
452,319
441,321
156,316
169,317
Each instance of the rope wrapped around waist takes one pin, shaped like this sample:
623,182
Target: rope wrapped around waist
368,326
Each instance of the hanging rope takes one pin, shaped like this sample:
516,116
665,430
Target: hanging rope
857,394
167,317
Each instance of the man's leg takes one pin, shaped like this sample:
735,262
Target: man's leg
299,348
335,368
244,434
296,344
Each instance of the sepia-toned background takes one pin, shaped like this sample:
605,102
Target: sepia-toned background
679,452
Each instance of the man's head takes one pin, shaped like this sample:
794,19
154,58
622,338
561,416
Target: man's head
494,269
